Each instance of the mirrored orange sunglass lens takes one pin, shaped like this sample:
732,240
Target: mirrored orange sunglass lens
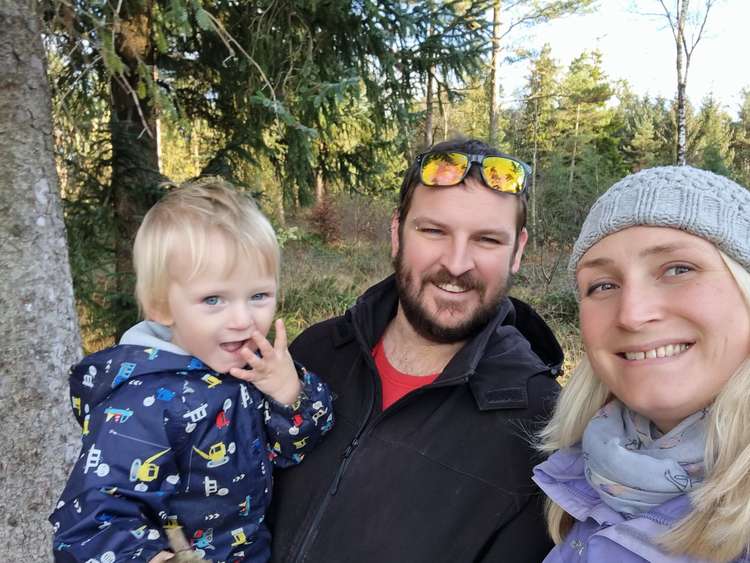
503,174
444,169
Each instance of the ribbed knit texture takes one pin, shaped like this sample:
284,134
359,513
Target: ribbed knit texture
682,197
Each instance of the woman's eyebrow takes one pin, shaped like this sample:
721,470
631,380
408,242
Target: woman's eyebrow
662,249
646,252
594,263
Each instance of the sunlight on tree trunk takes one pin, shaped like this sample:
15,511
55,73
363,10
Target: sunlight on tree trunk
495,72
684,48
135,159
428,125
39,336
575,147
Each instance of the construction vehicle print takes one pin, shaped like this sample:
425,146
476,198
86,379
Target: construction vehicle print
125,371
240,538
222,421
153,353
171,522
245,506
211,380
76,401
216,456
118,415
147,470
164,394
202,539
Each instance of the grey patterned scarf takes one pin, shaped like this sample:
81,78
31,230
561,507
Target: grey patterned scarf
634,467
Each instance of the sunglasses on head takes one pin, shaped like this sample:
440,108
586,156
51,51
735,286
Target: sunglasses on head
499,172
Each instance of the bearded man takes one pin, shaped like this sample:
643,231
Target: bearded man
439,379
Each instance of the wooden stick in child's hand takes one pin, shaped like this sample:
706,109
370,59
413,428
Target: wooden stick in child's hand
181,547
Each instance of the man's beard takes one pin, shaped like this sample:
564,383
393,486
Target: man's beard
424,323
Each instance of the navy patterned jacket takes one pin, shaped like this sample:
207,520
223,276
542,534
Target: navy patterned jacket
168,442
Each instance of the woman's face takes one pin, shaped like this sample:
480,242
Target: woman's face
662,320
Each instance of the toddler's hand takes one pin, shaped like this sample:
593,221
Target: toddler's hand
273,373
161,556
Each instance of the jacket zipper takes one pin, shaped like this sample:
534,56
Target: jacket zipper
359,437
333,487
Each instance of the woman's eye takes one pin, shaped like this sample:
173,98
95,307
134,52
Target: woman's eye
677,270
600,287
212,300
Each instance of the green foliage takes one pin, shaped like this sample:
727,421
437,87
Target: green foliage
321,298
741,141
300,102
714,143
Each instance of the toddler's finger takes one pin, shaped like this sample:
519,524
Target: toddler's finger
264,346
243,374
280,343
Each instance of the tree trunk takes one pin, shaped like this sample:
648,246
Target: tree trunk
320,187
495,73
681,84
575,148
135,159
39,336
445,112
428,119
534,196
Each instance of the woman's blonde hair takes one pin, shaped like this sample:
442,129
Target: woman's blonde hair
185,222
718,527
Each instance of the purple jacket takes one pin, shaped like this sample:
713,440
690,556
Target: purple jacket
599,532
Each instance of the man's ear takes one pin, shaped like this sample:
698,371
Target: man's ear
523,238
394,234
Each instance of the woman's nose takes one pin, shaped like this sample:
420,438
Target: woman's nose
638,306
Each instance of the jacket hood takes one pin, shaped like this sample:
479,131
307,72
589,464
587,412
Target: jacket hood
98,375
517,339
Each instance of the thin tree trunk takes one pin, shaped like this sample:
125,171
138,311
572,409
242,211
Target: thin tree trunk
428,125
135,159
39,336
445,109
575,148
320,187
534,196
495,73
278,201
681,85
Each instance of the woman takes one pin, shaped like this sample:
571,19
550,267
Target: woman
652,432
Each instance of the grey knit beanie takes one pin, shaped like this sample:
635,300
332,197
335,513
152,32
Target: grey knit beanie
696,201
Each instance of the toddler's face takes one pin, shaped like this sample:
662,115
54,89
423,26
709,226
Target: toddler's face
212,314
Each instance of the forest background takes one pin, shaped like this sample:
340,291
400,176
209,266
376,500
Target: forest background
316,108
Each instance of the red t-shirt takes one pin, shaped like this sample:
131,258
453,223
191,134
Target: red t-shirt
396,384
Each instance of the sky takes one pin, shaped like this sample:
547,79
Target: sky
640,49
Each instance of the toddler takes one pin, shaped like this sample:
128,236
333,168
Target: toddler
170,438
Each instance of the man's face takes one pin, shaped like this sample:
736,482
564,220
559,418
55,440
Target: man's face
453,258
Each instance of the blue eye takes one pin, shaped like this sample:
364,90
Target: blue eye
430,231
211,300
259,297
600,287
677,270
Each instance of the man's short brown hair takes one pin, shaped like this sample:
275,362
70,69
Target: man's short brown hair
469,146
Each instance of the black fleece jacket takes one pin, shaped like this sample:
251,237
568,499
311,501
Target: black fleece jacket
444,473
